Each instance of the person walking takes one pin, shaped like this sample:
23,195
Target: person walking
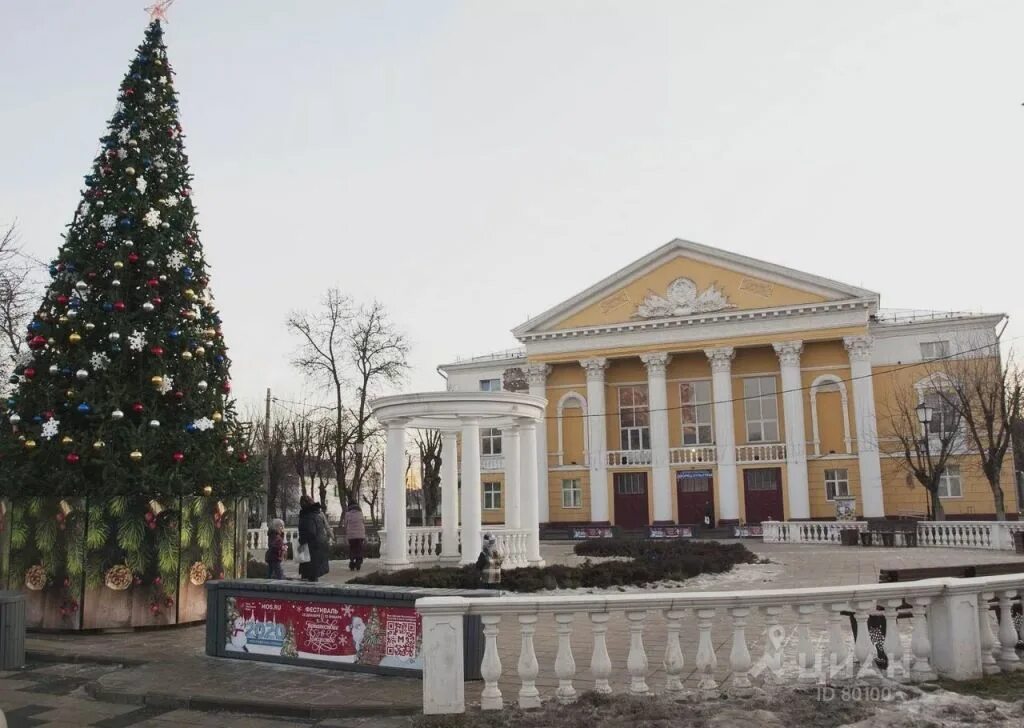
276,548
355,532
488,563
313,536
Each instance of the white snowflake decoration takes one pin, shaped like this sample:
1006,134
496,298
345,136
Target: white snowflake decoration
123,134
122,153
203,424
176,260
50,429
159,163
149,96
170,201
163,80
107,221
99,360
166,385
136,341
347,610
141,184
119,107
152,218
144,134
83,209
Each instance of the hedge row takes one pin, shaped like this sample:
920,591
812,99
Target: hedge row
642,548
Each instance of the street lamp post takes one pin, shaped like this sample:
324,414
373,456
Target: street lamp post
357,448
924,416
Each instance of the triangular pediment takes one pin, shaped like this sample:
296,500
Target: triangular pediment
683,279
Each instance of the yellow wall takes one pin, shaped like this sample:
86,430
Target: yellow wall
496,516
568,515
821,507
743,291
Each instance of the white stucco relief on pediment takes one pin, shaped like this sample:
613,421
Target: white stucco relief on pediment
683,299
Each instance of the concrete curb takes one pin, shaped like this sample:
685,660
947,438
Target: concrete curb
243,705
56,657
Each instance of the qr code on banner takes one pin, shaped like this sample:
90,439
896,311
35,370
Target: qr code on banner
400,637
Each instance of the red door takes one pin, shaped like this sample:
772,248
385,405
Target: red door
696,496
631,500
762,494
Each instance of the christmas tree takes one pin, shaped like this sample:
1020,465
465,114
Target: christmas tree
125,389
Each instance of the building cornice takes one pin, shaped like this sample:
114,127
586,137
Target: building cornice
882,330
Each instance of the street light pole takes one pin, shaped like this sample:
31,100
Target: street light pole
924,416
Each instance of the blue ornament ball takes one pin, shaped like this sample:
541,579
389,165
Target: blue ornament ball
125,223
115,348
108,307
37,419
36,326
219,358
190,427
173,334
66,372
84,408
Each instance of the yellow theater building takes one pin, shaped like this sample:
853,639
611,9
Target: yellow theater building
697,382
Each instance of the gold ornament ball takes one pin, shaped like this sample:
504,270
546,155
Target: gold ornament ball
118,265
129,170
99,445
207,490
186,355
210,333
63,319
66,440
135,455
70,394
200,351
75,338
30,444
217,417
156,380
190,294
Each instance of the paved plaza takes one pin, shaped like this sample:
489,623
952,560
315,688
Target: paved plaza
164,678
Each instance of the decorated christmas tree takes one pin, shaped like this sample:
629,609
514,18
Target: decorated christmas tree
125,389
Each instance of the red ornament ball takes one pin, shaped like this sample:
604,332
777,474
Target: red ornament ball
72,458
37,342
29,373
62,300
137,408
243,457
179,395
156,350
153,283
156,300
119,306
226,387
178,457
133,258
100,245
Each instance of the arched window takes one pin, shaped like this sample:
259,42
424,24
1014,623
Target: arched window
828,388
572,429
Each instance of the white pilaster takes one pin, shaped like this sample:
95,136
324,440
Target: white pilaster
510,445
598,439
472,515
872,503
796,434
397,554
725,433
657,393
449,497
537,377
528,502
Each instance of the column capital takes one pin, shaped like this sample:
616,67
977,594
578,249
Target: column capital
595,368
656,362
398,423
789,352
859,347
525,423
537,374
721,358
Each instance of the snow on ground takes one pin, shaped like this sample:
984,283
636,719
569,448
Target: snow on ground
742,576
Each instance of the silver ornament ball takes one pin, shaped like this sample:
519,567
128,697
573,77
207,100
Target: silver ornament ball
154,423
81,285
81,375
114,336
201,386
15,419
115,283
90,326
54,369
148,307
117,415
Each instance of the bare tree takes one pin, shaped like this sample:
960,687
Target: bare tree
299,446
987,396
428,442
923,451
370,495
379,354
16,296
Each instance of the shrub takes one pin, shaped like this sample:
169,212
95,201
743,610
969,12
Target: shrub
652,562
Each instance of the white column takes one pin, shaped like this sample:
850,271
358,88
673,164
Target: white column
397,556
859,348
598,453
725,433
513,484
657,394
528,501
796,434
472,514
449,497
537,376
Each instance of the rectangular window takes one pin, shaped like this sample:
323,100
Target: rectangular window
492,496
761,479
490,385
631,483
761,408
934,350
572,493
945,418
696,410
490,441
949,484
634,418
837,483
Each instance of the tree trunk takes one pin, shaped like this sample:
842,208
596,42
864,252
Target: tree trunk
323,495
937,511
1000,500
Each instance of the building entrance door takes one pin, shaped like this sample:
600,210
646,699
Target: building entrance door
631,500
762,495
696,496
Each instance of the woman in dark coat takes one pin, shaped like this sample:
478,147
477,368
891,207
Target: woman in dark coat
313,535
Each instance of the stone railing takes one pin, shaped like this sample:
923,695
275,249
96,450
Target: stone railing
492,462
770,452
256,538
423,543
630,457
951,634
692,455
511,543
950,534
808,531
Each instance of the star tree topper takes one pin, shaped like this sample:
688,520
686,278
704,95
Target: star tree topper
158,10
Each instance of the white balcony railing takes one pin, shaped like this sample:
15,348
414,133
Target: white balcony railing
952,633
996,535
768,452
423,544
492,462
692,455
630,457
821,532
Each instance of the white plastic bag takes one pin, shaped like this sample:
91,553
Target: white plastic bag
304,556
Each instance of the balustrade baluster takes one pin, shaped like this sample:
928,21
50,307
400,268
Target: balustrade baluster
774,636
893,644
805,649
706,660
864,649
636,662
920,643
986,639
600,663
490,666
674,661
1007,659
739,657
529,696
565,665
838,652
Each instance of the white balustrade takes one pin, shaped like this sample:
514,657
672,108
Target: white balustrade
492,462
986,639
630,457
1008,637
636,662
772,452
600,662
947,534
694,455
674,660
565,665
512,545
960,534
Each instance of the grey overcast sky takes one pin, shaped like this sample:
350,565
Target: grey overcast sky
470,164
